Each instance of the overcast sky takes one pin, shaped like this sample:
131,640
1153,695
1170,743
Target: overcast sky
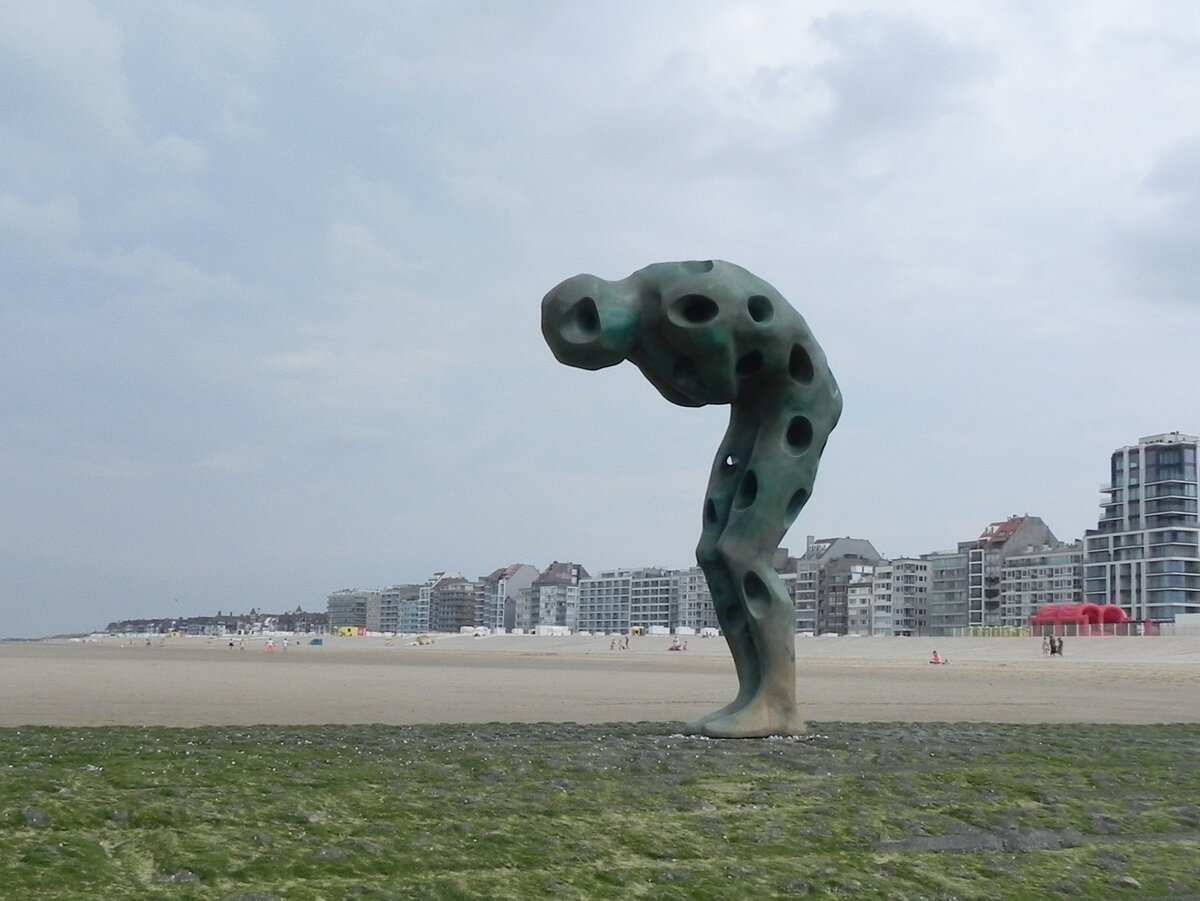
270,277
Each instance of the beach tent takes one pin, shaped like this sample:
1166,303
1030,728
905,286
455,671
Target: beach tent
1078,615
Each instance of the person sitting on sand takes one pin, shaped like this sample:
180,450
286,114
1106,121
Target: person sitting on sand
936,658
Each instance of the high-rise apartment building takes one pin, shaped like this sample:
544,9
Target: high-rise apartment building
1144,554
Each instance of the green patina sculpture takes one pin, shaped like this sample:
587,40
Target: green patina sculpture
713,333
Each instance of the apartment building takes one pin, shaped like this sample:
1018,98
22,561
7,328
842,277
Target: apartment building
354,608
693,600
618,600
947,609
901,590
413,613
451,603
604,601
823,576
1144,554
390,601
1037,577
498,596
985,561
862,612
554,594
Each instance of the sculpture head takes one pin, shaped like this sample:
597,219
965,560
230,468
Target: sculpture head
589,322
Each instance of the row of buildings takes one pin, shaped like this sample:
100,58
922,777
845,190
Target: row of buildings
256,622
1144,556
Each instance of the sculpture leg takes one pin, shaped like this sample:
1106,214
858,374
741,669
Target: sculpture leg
770,627
762,507
735,450
732,620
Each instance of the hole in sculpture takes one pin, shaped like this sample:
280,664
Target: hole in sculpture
800,365
796,503
729,464
732,619
799,434
686,371
694,309
581,322
760,308
750,363
697,266
747,491
758,597
710,511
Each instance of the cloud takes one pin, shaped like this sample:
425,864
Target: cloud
234,461
56,220
1160,247
891,74
358,254
175,155
64,60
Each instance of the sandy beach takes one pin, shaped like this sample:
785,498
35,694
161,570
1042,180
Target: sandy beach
198,681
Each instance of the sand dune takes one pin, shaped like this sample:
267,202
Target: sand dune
191,682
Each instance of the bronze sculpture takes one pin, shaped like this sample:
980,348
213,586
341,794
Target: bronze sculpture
710,332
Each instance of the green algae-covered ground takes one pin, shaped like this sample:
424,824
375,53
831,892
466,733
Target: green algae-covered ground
612,811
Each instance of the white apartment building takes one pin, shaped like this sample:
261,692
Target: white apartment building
604,602
650,599
618,600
